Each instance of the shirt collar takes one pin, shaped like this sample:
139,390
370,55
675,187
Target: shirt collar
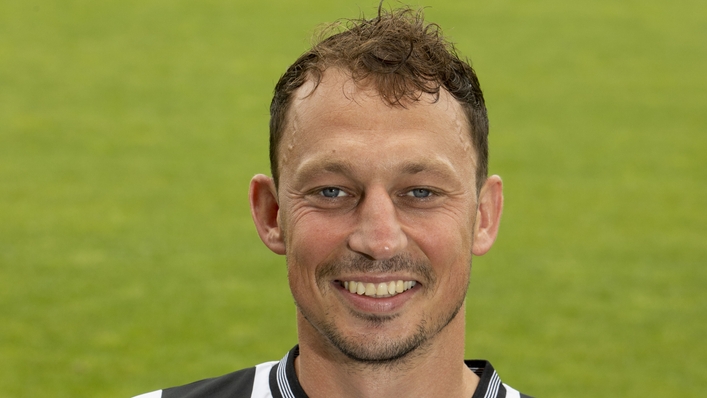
284,378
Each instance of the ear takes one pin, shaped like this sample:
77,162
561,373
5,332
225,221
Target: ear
265,211
488,215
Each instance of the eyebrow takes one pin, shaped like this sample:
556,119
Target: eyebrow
438,167
315,167
414,168
310,169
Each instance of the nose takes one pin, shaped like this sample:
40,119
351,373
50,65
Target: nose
378,234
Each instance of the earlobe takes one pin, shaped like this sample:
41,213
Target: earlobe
265,209
488,215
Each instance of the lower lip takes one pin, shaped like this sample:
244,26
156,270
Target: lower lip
376,305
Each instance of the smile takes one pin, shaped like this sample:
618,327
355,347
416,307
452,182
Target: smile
383,289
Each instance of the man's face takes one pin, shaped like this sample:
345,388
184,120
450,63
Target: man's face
377,210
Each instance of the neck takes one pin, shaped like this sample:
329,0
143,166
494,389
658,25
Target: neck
436,369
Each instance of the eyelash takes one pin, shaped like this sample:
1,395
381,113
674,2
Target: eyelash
339,190
409,193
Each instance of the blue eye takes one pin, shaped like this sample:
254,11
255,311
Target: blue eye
331,192
420,193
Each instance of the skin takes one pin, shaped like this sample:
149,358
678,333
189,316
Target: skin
372,192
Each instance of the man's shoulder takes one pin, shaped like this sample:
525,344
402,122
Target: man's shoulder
238,384
235,384
490,384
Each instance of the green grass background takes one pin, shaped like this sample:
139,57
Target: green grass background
129,131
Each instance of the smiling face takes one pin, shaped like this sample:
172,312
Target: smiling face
378,215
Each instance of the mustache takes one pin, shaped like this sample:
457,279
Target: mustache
359,264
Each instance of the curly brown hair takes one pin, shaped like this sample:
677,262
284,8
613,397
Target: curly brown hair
402,57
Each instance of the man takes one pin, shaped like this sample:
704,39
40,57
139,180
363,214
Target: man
379,196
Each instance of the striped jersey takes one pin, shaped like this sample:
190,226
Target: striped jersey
279,380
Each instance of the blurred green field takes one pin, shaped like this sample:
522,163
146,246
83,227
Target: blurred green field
129,131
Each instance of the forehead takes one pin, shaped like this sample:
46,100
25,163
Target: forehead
339,111
336,91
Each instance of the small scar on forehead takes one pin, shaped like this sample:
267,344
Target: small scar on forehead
293,133
291,140
463,136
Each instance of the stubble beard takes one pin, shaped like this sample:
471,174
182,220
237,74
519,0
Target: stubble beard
370,348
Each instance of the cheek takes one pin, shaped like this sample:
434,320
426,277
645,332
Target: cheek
312,239
445,249
445,228
447,243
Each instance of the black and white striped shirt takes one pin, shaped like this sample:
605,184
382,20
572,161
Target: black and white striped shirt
278,380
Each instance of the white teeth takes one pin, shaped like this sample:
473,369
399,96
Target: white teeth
360,289
382,289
